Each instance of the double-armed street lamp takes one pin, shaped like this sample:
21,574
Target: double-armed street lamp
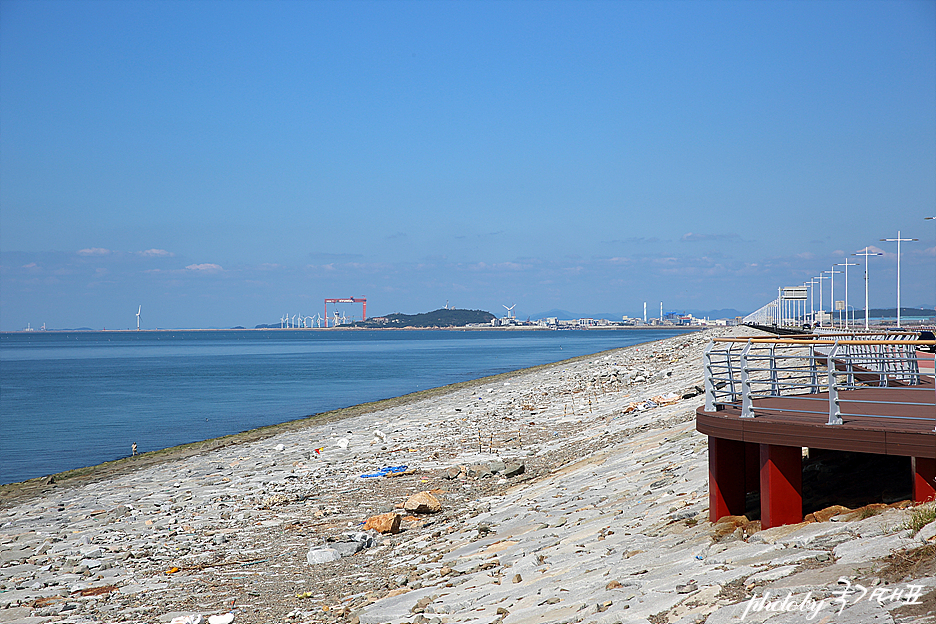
929,218
820,277
832,294
812,311
846,264
898,240
866,252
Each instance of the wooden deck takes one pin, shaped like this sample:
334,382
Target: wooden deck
902,421
764,453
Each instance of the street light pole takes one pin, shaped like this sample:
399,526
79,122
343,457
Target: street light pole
846,264
820,277
929,218
832,293
812,311
867,252
898,241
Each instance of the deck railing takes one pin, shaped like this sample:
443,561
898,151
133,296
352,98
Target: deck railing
739,370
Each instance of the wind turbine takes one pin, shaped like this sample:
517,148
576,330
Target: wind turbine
510,309
138,317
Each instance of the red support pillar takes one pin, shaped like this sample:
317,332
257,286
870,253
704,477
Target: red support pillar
924,479
726,478
781,485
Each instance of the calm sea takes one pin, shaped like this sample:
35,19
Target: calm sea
69,400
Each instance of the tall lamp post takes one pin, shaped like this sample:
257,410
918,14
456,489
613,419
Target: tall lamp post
812,311
898,240
832,293
867,252
805,285
846,264
820,277
930,218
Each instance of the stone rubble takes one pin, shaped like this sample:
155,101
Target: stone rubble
571,493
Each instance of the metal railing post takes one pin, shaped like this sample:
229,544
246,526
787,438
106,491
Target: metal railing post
730,370
709,382
813,371
747,407
913,365
774,380
835,414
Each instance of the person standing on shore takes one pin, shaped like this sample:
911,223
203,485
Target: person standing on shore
133,450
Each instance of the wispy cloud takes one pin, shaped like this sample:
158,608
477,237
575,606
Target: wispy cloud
873,249
204,268
634,240
156,253
692,237
94,251
334,257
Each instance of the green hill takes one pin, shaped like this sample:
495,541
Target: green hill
438,318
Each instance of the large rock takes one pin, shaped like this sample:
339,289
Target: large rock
384,523
322,555
513,469
346,549
422,502
478,471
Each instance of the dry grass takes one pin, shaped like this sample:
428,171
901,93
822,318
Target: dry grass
919,518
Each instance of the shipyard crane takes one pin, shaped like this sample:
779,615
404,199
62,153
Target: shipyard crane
361,300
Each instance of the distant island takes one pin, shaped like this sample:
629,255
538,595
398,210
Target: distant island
442,317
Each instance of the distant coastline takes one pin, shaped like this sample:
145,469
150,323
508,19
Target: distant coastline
346,328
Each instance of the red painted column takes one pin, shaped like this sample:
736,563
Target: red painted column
726,478
781,481
924,479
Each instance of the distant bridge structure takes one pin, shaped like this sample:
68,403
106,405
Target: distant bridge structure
361,300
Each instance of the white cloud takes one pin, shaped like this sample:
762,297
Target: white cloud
691,237
156,253
204,268
94,251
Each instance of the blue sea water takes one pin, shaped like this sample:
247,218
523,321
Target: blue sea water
73,399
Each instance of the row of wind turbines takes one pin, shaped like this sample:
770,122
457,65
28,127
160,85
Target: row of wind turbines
298,321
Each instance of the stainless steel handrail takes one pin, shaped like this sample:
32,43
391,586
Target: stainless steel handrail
739,370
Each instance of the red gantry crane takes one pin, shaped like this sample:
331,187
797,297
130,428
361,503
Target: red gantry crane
362,300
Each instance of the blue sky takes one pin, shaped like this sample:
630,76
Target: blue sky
222,163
